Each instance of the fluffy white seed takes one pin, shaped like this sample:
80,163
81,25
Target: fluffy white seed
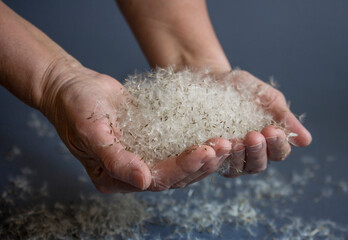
169,111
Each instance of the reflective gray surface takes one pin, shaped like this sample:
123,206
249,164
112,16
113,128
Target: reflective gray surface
304,45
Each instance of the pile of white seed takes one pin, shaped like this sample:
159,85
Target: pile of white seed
169,111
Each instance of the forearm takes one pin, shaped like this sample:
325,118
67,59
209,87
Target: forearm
175,32
26,54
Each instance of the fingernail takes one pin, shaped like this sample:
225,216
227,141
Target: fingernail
255,148
271,140
239,154
137,179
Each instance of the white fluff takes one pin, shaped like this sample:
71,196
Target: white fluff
170,111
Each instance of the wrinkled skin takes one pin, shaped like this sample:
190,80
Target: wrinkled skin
81,104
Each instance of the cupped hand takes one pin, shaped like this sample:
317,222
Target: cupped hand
249,155
81,105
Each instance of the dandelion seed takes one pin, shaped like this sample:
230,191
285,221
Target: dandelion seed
302,117
177,110
13,153
273,83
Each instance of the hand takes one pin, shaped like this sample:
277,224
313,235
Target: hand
81,105
249,155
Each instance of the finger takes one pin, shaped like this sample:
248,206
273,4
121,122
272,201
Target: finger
256,153
191,178
222,148
118,163
236,159
282,114
277,146
126,166
106,184
205,173
274,102
172,170
208,172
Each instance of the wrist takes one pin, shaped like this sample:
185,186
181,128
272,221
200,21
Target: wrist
58,73
181,55
216,62
175,33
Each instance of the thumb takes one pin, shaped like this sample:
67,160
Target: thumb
116,160
282,114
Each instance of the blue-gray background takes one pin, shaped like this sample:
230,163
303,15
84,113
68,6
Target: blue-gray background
303,44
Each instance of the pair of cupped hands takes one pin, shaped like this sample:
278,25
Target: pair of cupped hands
69,101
